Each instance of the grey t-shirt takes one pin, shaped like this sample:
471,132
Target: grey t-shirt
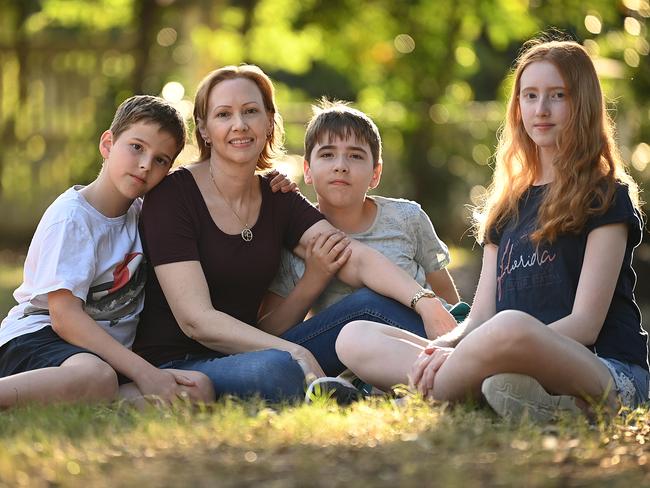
402,232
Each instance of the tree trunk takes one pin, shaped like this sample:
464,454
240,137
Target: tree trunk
21,50
146,13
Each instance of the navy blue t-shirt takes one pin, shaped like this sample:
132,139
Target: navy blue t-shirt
542,280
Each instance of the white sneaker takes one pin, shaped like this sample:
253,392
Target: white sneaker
339,389
515,396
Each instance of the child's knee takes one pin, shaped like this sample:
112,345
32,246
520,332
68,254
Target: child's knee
507,333
204,389
514,318
99,382
516,330
349,340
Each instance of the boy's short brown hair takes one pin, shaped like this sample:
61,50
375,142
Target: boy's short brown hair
336,119
149,109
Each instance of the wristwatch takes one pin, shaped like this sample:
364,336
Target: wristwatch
422,293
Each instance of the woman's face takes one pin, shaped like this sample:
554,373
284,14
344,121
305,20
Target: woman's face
544,104
236,123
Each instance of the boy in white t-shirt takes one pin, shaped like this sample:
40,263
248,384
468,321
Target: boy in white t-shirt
342,162
68,338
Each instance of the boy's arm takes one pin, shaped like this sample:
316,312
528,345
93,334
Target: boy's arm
432,254
443,285
278,314
484,304
74,325
367,267
280,182
324,256
378,273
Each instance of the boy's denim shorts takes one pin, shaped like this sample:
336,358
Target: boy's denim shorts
37,350
632,382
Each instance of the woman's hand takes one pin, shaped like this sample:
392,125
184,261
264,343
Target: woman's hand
437,319
424,369
281,182
325,254
308,363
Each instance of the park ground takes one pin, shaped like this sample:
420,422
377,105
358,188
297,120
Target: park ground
373,443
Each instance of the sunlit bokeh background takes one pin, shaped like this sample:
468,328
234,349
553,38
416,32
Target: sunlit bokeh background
433,75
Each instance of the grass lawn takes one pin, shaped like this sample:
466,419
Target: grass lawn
370,444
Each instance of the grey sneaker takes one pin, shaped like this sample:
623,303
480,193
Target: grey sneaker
339,389
515,396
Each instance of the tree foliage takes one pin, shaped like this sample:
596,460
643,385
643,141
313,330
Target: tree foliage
432,74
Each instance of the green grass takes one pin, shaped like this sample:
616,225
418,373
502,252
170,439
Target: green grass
370,444
247,444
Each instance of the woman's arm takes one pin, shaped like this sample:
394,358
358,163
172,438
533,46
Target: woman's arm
325,254
600,270
367,267
187,294
443,285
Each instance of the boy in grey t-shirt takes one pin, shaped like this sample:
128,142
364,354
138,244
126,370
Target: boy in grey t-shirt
342,162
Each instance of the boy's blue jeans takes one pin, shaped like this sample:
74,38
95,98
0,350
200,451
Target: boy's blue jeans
273,374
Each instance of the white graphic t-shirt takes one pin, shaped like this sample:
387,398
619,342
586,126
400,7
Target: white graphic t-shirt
97,258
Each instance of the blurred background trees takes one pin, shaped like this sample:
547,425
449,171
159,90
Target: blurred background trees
432,74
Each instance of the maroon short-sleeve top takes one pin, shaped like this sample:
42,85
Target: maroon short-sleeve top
175,226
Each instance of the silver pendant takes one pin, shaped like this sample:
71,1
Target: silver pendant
247,234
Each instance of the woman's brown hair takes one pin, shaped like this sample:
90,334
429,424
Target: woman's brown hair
274,146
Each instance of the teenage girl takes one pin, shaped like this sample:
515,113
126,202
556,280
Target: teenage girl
555,299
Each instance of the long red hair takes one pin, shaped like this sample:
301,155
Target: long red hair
588,164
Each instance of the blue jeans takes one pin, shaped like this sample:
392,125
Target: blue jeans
271,374
632,382
274,375
319,333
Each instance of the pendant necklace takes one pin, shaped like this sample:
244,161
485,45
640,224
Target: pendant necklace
246,233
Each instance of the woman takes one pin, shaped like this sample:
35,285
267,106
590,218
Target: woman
213,232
